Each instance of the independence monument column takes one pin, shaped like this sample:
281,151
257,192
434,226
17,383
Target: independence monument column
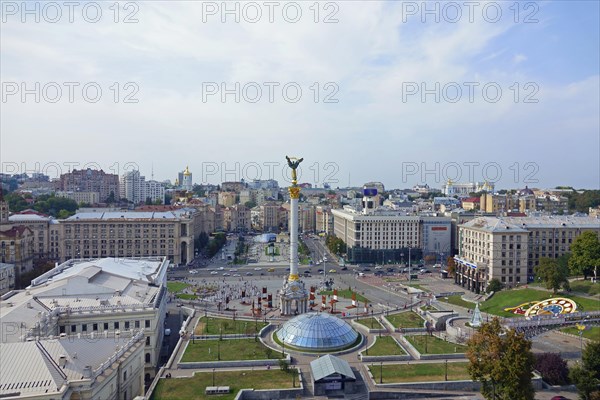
293,296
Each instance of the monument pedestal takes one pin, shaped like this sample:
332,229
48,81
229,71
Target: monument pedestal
293,298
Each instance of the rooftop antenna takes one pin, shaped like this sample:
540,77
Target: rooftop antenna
152,171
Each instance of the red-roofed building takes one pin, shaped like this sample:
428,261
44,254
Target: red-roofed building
470,203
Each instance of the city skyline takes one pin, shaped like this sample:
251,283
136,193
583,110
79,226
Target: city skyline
395,71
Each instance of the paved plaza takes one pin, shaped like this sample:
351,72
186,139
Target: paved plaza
384,296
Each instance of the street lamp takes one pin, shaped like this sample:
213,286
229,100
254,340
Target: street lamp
213,377
381,372
446,373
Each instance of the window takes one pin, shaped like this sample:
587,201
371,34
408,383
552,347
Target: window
147,340
106,326
147,357
116,324
137,324
125,377
95,327
84,327
61,329
147,323
126,324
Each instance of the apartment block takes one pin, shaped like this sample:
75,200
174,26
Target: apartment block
509,248
89,180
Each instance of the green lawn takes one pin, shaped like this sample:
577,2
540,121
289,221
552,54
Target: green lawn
586,287
423,372
193,388
407,319
417,286
372,323
228,350
175,287
592,332
385,346
458,301
216,326
434,345
186,296
346,294
515,297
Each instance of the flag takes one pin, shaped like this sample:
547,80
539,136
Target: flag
323,301
353,299
335,295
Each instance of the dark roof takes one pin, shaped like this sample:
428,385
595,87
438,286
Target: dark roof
15,231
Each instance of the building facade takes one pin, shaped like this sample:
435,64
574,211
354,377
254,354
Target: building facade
130,234
382,236
89,180
7,278
509,248
93,299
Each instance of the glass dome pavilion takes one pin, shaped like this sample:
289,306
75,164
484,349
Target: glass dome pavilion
317,331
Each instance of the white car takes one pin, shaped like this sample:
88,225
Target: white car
221,268
257,268
213,272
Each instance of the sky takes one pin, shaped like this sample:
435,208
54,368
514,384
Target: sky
400,92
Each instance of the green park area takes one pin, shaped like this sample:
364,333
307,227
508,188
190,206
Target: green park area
586,287
193,388
406,319
427,344
515,297
591,332
346,294
223,326
385,346
422,372
176,287
371,323
227,350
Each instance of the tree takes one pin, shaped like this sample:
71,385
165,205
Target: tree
494,285
283,364
451,266
148,201
585,254
553,273
111,198
584,380
502,361
250,204
553,368
591,358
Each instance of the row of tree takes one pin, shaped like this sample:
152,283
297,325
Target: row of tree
335,245
502,361
58,207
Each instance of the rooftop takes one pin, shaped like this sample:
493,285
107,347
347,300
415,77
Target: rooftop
83,286
35,366
125,215
521,224
327,365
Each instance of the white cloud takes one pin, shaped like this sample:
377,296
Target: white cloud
370,54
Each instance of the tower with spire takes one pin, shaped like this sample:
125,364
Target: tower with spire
186,183
3,208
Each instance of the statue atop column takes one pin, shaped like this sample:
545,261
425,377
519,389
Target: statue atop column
293,163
